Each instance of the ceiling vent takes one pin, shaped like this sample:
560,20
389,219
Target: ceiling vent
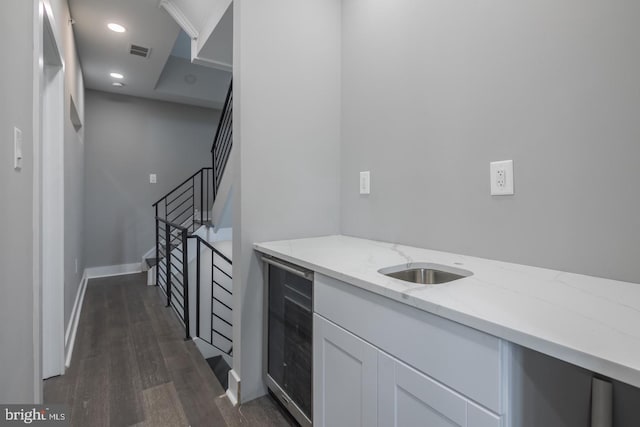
139,51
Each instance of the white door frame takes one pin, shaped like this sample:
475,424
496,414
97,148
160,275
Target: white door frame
50,192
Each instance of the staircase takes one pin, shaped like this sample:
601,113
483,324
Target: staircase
193,270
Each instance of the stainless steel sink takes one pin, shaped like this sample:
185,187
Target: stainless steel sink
425,273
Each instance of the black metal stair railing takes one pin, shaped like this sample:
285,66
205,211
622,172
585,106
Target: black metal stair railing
219,303
189,204
171,269
223,141
179,214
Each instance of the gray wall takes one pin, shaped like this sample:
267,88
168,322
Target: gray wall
17,349
446,88
226,220
128,138
286,147
434,90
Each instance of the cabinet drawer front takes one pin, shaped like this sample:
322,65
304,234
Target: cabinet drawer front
465,359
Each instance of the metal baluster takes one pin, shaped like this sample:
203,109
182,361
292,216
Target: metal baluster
157,267
201,197
198,288
185,282
212,291
193,204
214,173
167,257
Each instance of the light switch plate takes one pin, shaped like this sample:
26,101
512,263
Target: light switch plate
153,179
501,174
365,182
17,148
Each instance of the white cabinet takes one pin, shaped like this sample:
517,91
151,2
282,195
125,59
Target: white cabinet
345,376
466,360
381,365
358,385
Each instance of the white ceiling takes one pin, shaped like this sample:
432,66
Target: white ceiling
167,74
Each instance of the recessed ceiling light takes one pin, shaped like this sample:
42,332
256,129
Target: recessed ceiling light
116,27
116,75
117,84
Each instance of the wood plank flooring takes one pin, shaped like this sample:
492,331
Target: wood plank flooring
132,367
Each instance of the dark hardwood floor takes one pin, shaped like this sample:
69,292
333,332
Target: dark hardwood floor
132,367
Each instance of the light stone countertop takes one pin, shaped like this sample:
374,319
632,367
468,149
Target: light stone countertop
588,321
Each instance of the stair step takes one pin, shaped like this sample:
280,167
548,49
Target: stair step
220,369
151,262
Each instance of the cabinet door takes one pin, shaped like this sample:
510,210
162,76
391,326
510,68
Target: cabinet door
409,398
345,374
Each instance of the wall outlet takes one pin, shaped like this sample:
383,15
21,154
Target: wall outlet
153,178
501,175
365,182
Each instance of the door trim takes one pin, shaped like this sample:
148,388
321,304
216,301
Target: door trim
49,116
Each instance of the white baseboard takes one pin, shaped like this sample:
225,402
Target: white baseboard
113,270
233,392
232,398
151,253
72,327
90,273
151,276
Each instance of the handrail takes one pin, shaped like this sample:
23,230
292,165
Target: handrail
181,184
